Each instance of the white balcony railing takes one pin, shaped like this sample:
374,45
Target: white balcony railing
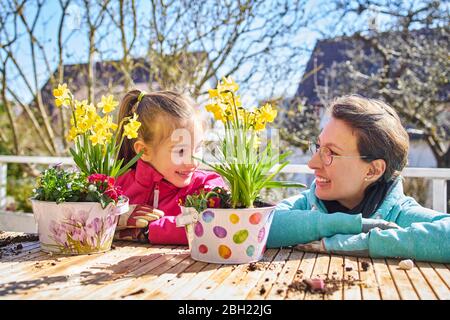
439,176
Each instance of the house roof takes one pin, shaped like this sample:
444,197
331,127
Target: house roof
332,51
108,77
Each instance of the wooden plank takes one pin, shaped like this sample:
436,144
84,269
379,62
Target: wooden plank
215,280
77,275
42,267
168,291
270,275
195,282
93,271
229,284
439,287
420,284
238,283
384,279
88,288
250,279
320,272
279,288
351,274
304,271
125,280
10,266
162,277
336,271
401,280
443,272
369,284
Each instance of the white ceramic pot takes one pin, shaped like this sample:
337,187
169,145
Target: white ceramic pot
229,236
76,227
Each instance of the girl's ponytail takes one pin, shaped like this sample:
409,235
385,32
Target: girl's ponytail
128,105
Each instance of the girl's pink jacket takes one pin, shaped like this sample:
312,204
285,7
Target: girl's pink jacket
139,185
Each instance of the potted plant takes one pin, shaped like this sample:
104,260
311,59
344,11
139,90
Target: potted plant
77,209
231,226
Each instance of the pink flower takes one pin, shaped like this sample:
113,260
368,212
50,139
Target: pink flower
112,193
97,177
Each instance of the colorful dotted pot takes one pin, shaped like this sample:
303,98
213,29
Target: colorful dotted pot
230,236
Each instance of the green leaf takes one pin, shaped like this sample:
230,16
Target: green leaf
129,164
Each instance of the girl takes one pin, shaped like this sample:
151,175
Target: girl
356,204
169,137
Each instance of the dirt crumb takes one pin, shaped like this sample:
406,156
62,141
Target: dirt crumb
133,293
262,290
254,266
365,266
348,268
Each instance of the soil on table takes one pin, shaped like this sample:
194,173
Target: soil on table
11,242
331,285
7,238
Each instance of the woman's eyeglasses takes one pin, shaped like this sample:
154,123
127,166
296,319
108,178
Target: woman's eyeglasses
326,155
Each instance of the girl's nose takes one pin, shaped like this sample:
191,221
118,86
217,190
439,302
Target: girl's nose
315,162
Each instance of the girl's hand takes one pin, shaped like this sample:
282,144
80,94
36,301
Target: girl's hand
138,216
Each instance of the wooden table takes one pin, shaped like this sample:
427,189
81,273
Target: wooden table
136,271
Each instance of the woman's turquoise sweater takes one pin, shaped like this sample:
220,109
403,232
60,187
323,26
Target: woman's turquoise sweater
424,234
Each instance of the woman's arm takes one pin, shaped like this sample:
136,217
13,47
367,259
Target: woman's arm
295,222
424,235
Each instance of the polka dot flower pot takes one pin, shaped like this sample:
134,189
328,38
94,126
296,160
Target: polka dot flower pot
229,236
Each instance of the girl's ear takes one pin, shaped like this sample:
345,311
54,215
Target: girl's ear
376,170
141,146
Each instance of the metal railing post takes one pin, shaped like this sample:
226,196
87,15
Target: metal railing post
3,184
440,195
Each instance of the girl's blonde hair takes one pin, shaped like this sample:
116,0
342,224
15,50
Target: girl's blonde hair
159,112
378,128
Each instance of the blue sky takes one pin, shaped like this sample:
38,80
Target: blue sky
47,29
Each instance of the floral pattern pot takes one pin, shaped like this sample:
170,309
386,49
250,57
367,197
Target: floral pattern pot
228,236
76,227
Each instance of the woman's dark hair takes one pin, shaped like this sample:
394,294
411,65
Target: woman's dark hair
378,128
159,112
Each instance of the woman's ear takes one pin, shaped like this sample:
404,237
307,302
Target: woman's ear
376,170
141,146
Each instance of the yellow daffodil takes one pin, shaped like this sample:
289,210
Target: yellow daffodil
130,130
62,95
217,111
260,125
108,104
268,113
73,133
95,135
213,93
97,139
227,84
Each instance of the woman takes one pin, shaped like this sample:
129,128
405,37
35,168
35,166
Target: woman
356,204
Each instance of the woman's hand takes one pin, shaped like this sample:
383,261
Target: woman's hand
314,246
138,216
369,224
